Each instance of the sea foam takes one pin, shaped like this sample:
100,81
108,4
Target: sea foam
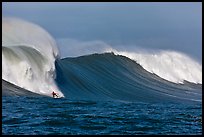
28,56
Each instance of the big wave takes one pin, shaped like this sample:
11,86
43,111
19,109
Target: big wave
28,56
171,65
114,77
31,61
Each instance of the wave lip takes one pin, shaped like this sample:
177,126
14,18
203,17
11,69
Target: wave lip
28,56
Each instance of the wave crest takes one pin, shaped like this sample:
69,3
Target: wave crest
170,65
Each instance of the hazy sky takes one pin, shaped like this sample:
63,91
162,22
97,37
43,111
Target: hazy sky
175,26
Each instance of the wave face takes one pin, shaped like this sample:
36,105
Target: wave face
28,56
108,76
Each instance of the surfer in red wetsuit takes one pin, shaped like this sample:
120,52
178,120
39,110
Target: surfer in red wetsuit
54,94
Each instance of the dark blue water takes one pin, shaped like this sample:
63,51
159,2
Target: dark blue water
43,115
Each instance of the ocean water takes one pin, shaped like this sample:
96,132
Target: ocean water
112,92
104,98
47,116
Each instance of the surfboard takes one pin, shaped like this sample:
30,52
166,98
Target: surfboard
56,96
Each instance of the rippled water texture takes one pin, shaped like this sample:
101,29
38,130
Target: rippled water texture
42,115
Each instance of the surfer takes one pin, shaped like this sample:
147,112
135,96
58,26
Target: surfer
54,94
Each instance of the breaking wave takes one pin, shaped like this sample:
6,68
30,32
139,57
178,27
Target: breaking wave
110,76
170,65
28,55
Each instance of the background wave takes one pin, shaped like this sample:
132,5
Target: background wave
109,76
171,65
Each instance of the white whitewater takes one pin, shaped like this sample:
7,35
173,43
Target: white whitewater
28,56
170,65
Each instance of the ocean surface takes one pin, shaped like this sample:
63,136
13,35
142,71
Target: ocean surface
113,92
48,116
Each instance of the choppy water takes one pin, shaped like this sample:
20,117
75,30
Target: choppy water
42,115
